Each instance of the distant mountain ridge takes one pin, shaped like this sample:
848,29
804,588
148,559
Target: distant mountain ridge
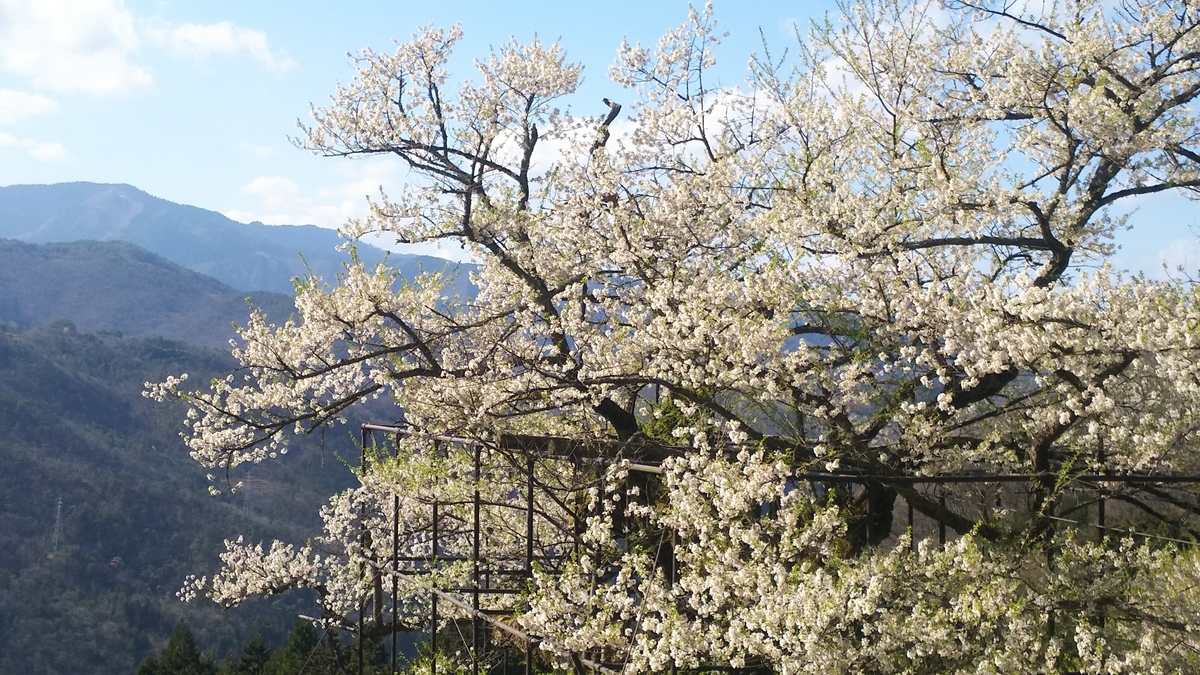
116,287
247,257
102,512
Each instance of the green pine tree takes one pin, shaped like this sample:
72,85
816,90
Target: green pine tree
254,658
374,657
307,653
181,656
148,666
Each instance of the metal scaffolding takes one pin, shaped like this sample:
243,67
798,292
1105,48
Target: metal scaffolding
494,590
495,580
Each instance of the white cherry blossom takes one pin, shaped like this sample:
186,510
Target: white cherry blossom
886,257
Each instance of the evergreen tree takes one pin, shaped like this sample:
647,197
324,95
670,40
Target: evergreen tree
307,652
148,666
254,658
373,655
181,656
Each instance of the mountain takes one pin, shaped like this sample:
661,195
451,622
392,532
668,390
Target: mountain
248,257
103,514
116,287
85,312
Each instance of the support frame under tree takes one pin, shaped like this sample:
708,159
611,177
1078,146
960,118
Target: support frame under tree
491,627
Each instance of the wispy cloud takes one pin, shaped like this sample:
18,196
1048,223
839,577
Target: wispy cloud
1180,257
201,41
18,105
93,46
254,150
43,152
282,201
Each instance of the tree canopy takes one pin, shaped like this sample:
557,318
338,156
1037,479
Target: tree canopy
883,255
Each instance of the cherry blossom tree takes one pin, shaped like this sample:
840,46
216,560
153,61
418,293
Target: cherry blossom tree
885,256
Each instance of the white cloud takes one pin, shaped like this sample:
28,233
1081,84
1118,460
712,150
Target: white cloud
91,46
200,41
1163,235
72,45
17,105
43,152
254,150
1181,256
1158,254
789,28
277,193
282,201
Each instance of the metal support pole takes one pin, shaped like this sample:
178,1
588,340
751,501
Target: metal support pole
1100,524
528,548
362,537
475,567
395,569
433,610
672,578
912,534
942,525
1100,532
577,524
529,516
1051,628
870,515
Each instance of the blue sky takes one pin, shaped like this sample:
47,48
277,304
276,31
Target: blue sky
195,101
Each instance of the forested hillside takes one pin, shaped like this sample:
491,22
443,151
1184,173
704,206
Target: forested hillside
85,321
116,287
135,515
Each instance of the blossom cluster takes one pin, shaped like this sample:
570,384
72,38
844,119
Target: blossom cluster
888,256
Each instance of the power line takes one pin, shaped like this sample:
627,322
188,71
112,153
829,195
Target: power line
1117,530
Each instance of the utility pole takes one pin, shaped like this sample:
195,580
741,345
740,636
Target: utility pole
57,523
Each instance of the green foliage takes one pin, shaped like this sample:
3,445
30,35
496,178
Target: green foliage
136,517
179,657
314,651
253,661
666,416
303,652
